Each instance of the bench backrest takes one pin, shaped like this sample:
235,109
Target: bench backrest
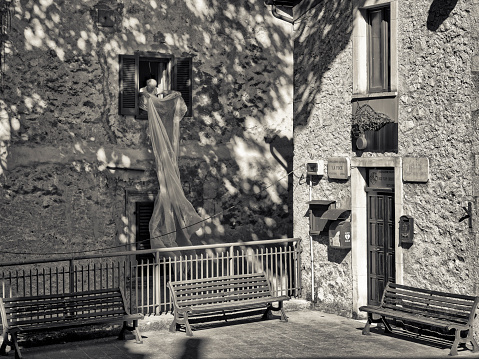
449,307
57,308
219,290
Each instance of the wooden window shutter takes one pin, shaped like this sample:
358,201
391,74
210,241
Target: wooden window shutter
184,75
144,211
129,84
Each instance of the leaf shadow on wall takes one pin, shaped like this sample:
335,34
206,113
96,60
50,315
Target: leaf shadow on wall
439,12
323,34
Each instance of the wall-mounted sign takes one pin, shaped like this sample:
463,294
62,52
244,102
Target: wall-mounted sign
338,168
381,178
415,169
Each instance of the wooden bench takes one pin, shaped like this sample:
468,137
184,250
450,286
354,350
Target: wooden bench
57,311
453,313
221,295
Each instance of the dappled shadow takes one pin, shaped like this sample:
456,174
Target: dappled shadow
439,12
68,122
323,33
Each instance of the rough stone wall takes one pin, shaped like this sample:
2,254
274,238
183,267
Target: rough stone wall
437,92
323,85
60,128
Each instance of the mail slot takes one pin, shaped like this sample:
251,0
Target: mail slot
340,234
406,229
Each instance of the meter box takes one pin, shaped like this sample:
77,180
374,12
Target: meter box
315,168
406,229
340,234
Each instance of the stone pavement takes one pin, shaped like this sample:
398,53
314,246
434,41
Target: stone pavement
307,334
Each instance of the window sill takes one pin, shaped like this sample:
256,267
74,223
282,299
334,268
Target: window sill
360,96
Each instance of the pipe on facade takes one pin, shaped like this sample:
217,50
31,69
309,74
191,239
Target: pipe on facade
311,244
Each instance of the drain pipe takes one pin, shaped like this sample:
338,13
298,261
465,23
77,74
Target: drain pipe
311,244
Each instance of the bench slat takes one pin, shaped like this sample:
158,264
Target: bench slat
52,320
221,283
46,306
429,313
427,291
222,299
431,297
15,302
433,306
223,293
231,286
61,311
235,305
243,277
63,295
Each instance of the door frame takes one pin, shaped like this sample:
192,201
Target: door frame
359,244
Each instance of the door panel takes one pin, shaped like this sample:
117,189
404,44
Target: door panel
381,249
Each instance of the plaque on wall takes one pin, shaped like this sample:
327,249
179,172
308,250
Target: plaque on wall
338,168
381,178
415,169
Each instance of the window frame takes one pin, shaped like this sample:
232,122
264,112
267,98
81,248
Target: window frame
359,50
384,68
129,76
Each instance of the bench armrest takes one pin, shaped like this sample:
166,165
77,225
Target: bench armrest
134,316
183,310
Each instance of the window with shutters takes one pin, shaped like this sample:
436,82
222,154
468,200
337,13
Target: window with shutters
170,72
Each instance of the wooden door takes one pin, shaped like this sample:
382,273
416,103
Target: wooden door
381,243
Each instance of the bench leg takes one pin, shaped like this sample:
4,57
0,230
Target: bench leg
475,347
134,329
387,327
268,315
174,324
5,342
368,325
457,340
18,354
189,333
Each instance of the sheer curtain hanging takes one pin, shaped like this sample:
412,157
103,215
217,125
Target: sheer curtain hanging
174,218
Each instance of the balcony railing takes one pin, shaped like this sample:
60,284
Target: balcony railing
143,274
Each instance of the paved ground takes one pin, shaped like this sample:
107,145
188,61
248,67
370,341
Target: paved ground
308,334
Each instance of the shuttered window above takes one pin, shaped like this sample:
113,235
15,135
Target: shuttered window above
144,211
170,73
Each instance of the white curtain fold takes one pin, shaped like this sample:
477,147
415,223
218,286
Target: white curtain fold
174,218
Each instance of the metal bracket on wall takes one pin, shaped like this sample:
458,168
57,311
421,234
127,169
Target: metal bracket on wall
468,215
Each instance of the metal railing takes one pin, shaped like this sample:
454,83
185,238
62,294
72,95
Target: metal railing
144,281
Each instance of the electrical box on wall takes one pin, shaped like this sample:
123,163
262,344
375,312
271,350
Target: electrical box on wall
340,234
315,168
317,208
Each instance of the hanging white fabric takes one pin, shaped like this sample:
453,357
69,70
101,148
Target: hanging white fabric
174,218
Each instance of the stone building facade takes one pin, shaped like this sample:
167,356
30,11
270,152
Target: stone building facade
409,148
73,165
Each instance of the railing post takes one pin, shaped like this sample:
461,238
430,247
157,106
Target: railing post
72,276
231,264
